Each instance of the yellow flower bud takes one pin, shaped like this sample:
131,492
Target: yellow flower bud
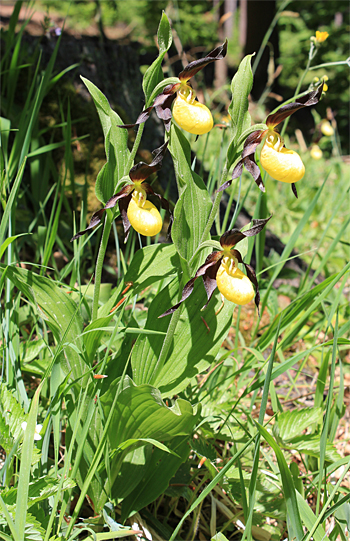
144,216
234,284
280,162
192,116
327,128
321,36
316,152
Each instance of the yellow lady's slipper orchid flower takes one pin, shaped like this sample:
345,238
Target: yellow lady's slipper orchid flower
221,271
327,128
143,215
316,152
234,285
280,162
321,36
189,114
135,209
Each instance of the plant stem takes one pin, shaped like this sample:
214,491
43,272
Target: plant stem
107,230
99,265
134,148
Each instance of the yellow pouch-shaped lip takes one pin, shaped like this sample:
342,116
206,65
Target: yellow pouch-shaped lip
144,218
192,117
235,287
284,164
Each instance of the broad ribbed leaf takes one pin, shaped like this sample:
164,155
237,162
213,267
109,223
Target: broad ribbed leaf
116,145
58,310
197,339
241,86
292,423
151,264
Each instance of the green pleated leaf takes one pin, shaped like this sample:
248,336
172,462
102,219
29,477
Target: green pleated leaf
241,86
116,145
191,215
140,414
154,74
55,306
151,264
194,346
180,151
291,424
295,528
92,336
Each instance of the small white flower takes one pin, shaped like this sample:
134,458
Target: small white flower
37,430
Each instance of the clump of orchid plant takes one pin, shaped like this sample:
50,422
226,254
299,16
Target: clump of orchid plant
135,209
221,271
278,161
188,113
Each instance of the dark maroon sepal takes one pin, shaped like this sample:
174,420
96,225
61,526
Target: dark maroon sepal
210,261
142,170
95,220
285,111
294,190
124,192
231,238
234,236
194,67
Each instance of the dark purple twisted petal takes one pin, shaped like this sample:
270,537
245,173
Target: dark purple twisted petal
233,236
209,280
252,168
142,170
95,220
163,111
193,67
251,275
294,189
285,111
210,261
158,102
123,207
252,142
237,171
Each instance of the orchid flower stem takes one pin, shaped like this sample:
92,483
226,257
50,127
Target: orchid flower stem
134,149
99,264
107,230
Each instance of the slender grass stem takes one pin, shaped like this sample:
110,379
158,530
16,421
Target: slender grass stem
99,265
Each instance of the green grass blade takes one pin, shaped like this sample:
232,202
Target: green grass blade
10,203
293,515
26,461
324,434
